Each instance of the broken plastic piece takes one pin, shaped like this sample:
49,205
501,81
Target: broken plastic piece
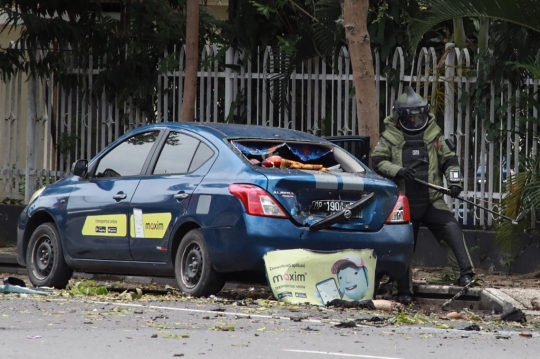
8,288
14,281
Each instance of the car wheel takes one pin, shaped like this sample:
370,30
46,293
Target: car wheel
193,269
45,259
382,285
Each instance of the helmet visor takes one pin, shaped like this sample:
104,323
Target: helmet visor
413,122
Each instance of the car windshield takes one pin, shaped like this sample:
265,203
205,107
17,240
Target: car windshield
300,155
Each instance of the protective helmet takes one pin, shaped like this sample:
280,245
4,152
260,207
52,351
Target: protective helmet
412,111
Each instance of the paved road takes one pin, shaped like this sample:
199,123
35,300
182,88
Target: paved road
47,327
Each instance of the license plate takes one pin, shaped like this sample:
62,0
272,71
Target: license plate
328,207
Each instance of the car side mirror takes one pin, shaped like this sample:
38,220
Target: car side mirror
80,168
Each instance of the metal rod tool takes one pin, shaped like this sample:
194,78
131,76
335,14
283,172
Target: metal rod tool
445,190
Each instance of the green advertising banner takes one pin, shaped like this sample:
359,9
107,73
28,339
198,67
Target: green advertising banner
303,276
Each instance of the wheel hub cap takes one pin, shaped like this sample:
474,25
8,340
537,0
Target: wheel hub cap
192,266
43,256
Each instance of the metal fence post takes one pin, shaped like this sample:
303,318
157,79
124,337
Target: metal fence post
229,59
30,173
449,91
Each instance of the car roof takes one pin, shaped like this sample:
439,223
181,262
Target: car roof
227,130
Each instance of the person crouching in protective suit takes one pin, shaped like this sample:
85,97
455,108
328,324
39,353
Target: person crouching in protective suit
413,146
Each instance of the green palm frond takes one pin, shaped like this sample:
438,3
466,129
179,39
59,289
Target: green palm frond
328,30
533,67
524,12
531,192
323,38
522,192
281,66
514,193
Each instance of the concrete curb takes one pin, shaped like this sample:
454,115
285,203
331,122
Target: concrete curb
499,301
491,299
486,298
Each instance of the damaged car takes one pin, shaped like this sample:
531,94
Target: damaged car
199,201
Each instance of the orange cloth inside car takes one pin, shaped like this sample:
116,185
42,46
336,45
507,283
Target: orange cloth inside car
278,161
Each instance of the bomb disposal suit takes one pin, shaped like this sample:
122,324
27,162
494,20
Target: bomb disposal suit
413,145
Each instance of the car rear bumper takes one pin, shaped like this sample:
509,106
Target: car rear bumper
238,249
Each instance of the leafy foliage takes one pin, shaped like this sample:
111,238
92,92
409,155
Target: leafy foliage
127,54
522,194
525,13
297,31
388,24
86,288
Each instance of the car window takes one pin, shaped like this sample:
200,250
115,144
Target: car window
181,154
300,155
203,154
127,159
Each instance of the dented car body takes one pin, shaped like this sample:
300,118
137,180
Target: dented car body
199,200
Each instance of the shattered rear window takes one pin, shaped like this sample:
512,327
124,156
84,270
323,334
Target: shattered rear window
299,155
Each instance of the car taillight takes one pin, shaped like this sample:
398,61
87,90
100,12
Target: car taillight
401,212
257,201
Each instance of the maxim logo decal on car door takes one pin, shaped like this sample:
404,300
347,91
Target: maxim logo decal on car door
114,225
149,225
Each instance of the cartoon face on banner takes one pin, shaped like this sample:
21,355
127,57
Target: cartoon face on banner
352,275
304,276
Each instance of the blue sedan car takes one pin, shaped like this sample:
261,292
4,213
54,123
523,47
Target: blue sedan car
198,201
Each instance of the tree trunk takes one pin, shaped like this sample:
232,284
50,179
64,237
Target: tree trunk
192,61
355,16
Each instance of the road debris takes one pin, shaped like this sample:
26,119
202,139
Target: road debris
473,327
514,315
367,304
375,304
346,324
454,315
16,285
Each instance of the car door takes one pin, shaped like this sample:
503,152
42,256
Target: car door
97,210
162,197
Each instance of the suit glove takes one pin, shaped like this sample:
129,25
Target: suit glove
407,173
454,191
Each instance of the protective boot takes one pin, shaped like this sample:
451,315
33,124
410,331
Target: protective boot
464,280
403,289
405,299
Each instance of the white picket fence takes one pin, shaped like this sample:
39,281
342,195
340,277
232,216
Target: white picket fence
46,128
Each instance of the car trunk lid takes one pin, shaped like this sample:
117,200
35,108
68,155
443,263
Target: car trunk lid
311,196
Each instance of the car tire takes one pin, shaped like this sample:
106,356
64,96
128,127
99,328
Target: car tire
45,261
193,269
382,285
